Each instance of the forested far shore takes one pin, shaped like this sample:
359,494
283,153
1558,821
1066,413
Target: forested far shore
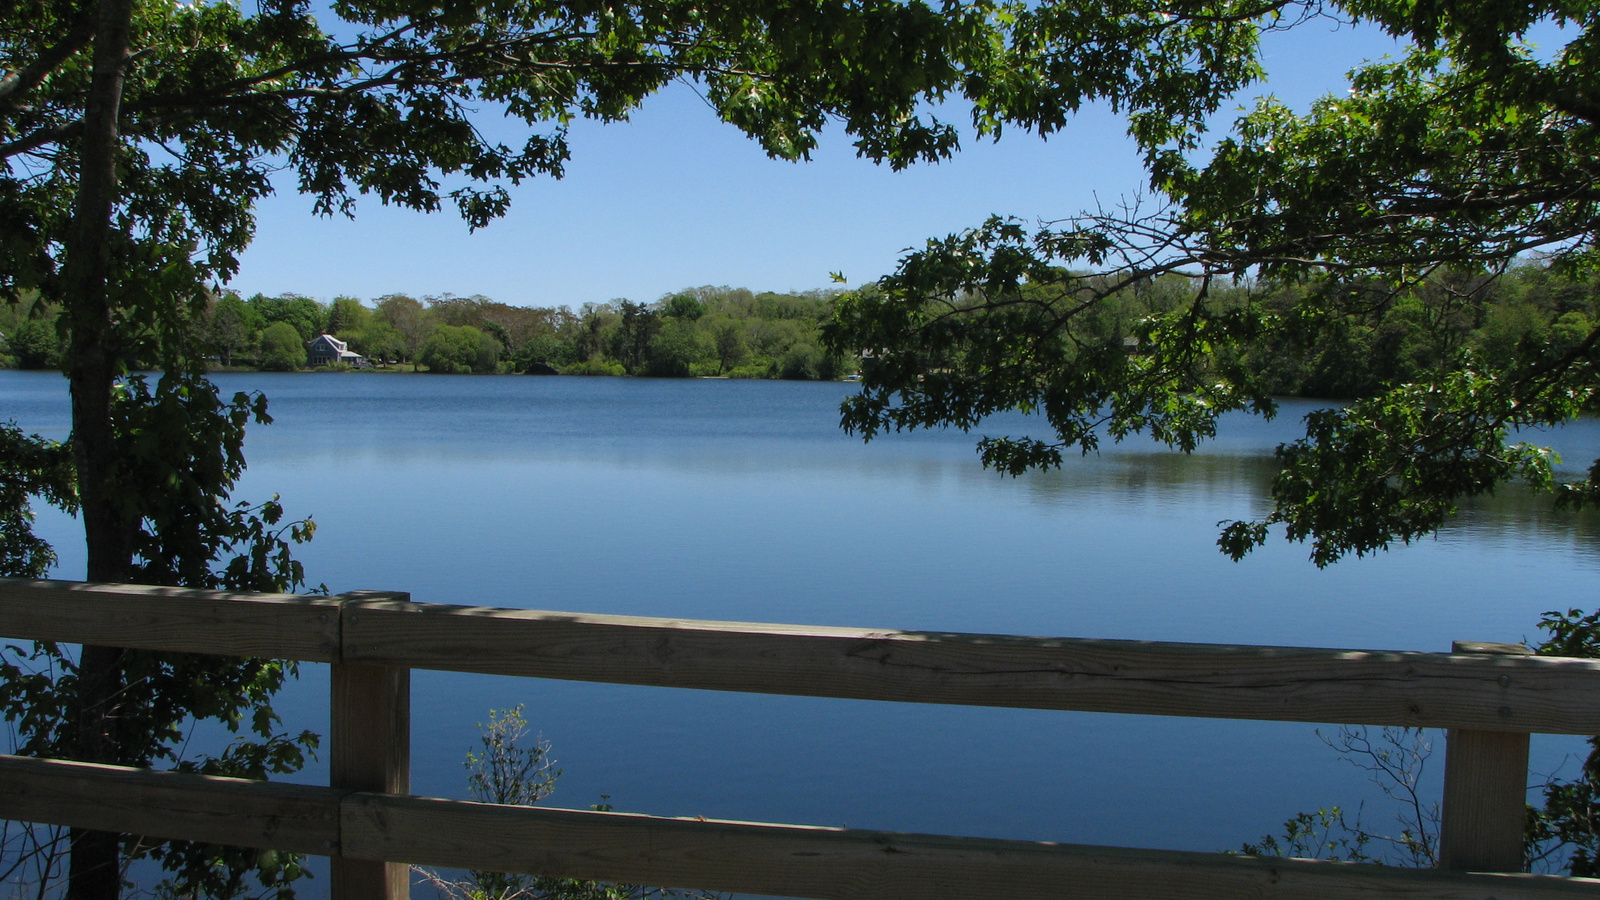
704,331
1396,337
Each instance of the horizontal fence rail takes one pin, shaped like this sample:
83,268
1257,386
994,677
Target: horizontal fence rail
280,626
732,856
1291,684
1489,696
176,805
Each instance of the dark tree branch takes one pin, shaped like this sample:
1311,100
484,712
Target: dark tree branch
14,87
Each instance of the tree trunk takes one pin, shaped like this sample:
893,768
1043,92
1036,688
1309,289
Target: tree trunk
91,367
94,871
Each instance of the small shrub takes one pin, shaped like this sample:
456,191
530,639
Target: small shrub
457,349
594,365
802,362
758,367
35,345
282,350
506,769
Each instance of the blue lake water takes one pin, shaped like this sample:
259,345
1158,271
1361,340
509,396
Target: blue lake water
742,500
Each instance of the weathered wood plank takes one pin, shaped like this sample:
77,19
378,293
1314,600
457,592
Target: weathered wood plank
1485,789
370,750
235,811
802,861
1485,798
282,626
1538,694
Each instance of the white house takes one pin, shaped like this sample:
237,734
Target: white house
326,350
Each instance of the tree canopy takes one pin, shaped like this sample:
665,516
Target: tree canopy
1426,175
1385,213
135,135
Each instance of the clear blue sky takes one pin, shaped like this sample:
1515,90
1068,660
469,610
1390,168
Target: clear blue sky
674,198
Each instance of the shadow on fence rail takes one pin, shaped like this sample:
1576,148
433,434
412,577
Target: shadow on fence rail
1489,697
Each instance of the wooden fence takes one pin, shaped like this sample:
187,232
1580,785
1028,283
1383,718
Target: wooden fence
1489,696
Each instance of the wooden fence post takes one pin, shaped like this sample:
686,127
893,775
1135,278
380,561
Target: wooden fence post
1485,788
370,750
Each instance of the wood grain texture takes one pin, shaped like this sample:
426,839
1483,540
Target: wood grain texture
234,811
281,626
1485,789
369,750
1485,796
801,861
1294,684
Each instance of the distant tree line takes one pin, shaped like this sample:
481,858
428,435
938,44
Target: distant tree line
1394,335
1387,333
706,331
1398,335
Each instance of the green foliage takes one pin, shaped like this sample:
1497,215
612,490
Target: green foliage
366,108
594,365
760,368
181,447
378,341
1395,761
35,344
1324,834
636,328
1569,822
675,348
125,223
233,328
806,361
308,317
135,139
1562,833
282,350
1510,331
700,332
544,350
346,314
713,331
1391,467
683,306
983,322
729,344
1371,229
34,467
456,349
406,316
506,770
989,320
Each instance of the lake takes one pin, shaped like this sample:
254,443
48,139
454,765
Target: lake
742,500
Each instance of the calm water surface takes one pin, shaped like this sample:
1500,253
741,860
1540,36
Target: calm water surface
742,500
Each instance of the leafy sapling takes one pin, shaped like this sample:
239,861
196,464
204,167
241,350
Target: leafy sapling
506,768
1395,760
